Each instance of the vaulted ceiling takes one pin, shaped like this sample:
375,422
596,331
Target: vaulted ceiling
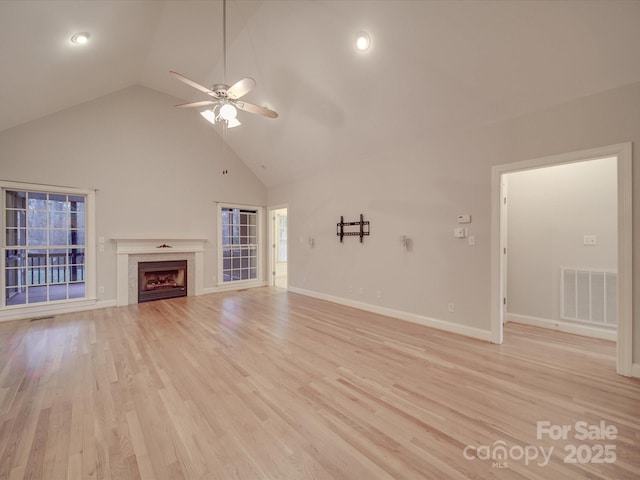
433,65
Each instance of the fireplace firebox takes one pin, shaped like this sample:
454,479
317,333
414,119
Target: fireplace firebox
161,280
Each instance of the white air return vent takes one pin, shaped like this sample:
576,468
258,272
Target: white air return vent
589,295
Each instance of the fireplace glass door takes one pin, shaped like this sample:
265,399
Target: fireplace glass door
160,280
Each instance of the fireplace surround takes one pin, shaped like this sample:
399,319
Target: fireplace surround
132,250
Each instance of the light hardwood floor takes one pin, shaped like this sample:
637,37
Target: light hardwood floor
265,384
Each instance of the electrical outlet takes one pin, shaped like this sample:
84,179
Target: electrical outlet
379,294
451,307
100,289
350,289
361,290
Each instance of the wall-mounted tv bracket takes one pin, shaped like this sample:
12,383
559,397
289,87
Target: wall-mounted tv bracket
362,231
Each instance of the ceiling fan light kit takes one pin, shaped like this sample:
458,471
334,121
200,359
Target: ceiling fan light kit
214,116
209,115
225,98
228,111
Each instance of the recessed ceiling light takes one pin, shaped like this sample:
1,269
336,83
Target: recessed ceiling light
363,41
81,38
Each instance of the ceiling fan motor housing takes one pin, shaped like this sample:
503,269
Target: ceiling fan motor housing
219,90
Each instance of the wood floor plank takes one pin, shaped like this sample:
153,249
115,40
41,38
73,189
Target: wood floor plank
264,384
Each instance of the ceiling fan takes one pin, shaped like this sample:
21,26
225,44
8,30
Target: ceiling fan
226,99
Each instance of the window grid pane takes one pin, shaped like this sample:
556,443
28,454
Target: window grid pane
38,267
239,244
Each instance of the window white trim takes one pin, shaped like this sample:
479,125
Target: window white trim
22,311
259,280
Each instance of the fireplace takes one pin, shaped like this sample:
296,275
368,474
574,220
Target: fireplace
160,280
131,250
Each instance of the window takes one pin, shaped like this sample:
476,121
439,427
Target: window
45,246
239,244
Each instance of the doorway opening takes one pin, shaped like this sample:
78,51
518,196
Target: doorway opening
559,228
279,248
622,155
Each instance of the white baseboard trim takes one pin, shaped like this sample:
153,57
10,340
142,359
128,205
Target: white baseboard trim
83,305
406,316
105,304
563,326
50,310
12,314
233,287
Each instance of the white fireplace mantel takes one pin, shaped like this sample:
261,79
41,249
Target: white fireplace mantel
127,246
152,244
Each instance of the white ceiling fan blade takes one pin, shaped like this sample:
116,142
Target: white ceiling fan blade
251,108
189,82
241,88
196,104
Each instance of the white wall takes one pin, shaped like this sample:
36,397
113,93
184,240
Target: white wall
158,169
549,210
418,189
